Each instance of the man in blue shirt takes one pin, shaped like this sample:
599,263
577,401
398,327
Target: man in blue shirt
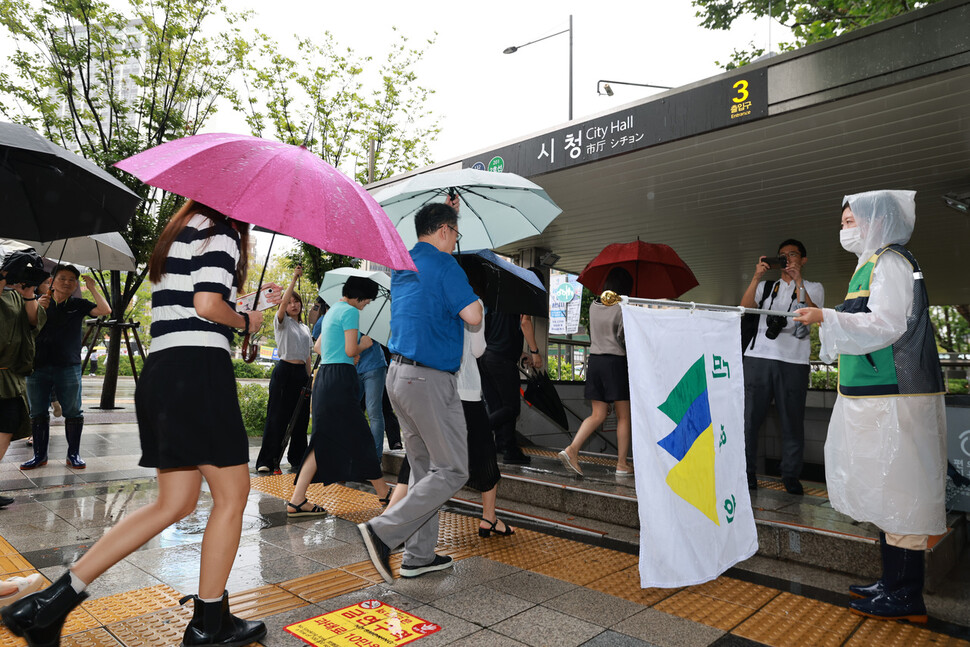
428,308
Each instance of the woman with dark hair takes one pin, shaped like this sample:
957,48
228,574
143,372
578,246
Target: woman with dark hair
190,428
341,447
607,380
286,384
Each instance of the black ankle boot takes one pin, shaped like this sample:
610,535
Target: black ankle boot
72,429
213,626
39,617
40,429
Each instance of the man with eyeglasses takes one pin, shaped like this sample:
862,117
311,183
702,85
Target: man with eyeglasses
428,311
776,361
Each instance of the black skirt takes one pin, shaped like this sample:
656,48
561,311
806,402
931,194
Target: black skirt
483,472
341,440
607,379
188,410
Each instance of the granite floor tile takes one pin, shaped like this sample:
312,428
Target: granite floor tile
665,630
381,592
486,638
276,636
293,539
542,626
482,606
336,553
433,586
120,578
614,639
531,586
599,608
452,627
479,570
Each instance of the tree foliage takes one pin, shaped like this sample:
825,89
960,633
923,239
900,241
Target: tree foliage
810,21
339,104
108,83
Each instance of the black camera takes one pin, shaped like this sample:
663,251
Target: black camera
775,324
779,262
24,267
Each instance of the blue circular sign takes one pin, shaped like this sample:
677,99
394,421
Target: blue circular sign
479,166
565,293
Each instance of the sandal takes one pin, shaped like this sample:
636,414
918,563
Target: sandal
299,511
485,532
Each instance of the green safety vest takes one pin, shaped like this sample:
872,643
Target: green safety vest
911,365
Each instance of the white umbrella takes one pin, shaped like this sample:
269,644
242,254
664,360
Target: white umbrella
98,251
495,208
375,318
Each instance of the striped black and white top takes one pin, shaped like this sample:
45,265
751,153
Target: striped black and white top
202,259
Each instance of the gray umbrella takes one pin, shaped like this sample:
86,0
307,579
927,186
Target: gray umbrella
48,192
98,251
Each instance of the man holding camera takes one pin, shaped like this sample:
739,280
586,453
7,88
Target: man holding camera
776,360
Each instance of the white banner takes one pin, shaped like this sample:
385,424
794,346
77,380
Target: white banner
687,400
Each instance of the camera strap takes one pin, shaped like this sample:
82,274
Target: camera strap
774,293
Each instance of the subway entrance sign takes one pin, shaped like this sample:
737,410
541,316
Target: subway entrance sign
370,623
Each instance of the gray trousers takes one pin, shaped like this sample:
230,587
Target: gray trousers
436,441
787,383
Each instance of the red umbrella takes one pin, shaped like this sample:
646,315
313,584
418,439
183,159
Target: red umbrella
283,188
657,271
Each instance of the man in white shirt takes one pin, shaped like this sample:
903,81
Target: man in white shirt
776,361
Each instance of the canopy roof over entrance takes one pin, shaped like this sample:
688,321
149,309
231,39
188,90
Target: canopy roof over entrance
725,169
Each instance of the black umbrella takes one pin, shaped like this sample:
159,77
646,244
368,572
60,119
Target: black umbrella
505,287
48,192
541,394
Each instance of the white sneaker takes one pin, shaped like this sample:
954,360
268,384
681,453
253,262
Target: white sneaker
263,469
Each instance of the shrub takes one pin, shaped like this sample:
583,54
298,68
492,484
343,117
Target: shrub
253,399
824,380
124,365
254,371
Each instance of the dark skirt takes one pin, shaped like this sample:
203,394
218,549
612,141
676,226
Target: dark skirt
607,379
188,410
285,388
483,472
341,440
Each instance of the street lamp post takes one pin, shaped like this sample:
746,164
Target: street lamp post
514,48
608,91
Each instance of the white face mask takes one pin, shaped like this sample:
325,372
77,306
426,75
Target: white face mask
851,240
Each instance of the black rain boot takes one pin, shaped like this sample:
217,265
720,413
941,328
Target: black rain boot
213,626
902,598
877,587
39,617
41,430
72,429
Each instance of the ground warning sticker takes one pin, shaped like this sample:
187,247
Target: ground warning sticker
370,623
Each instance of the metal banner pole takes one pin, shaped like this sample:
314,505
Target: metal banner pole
611,298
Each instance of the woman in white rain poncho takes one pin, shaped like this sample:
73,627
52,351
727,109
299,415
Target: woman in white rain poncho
885,454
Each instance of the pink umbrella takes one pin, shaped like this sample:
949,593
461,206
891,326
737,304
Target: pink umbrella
280,187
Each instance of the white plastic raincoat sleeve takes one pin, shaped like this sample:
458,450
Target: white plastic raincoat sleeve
885,457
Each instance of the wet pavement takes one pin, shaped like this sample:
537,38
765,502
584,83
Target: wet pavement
536,587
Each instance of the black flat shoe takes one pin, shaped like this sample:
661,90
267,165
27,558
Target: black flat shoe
485,532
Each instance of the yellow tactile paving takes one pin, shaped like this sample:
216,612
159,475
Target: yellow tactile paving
151,617
12,563
79,620
264,601
586,566
729,589
778,631
131,604
593,460
164,627
99,637
626,584
710,611
326,584
838,620
899,634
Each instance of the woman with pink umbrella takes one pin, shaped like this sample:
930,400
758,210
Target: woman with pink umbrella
198,263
